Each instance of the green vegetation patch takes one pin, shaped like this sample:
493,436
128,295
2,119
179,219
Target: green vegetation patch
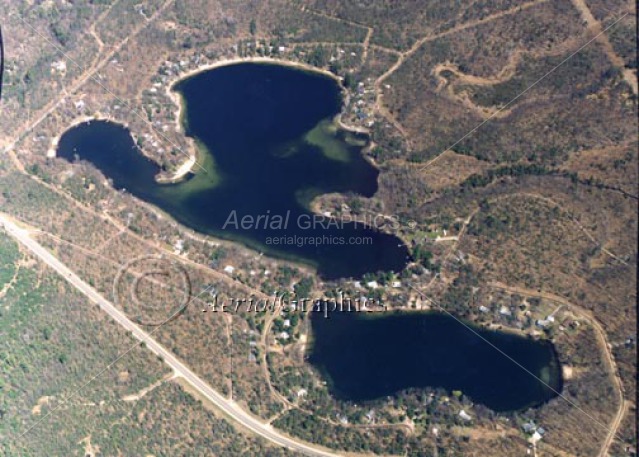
9,255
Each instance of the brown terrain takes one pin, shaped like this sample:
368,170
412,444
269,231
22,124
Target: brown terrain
505,132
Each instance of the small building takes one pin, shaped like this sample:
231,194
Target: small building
535,437
505,311
178,247
465,416
542,323
229,269
60,66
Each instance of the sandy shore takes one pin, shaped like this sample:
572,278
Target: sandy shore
237,60
185,168
181,172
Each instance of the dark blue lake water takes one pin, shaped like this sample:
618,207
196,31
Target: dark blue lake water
365,358
269,145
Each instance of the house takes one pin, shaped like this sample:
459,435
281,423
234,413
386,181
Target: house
465,416
542,323
483,309
529,427
59,66
372,284
504,311
229,269
178,247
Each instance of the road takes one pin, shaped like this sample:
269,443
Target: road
603,343
228,407
379,103
593,24
88,73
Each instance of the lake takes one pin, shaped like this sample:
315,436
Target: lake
269,144
365,357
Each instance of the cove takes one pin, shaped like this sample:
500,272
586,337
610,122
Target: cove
365,357
269,144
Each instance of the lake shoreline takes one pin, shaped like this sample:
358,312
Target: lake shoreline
306,99
190,163
348,373
179,102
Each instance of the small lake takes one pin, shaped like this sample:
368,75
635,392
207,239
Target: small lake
269,145
366,357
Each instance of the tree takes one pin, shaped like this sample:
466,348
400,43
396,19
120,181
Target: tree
350,80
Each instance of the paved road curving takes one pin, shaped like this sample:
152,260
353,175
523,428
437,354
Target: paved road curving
229,407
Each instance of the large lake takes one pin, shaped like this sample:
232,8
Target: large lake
368,357
269,145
